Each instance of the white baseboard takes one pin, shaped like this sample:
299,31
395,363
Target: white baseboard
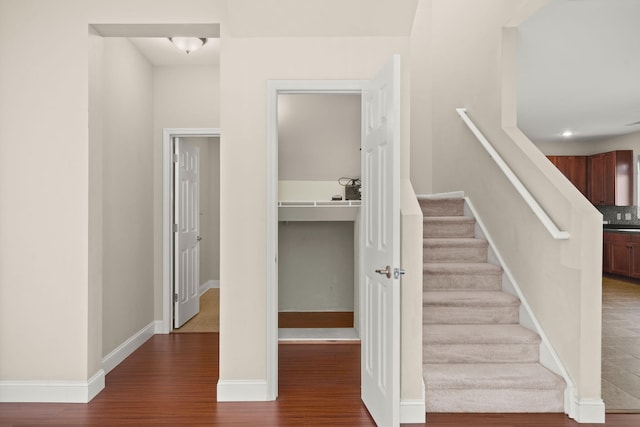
413,411
242,391
209,284
588,411
52,391
125,349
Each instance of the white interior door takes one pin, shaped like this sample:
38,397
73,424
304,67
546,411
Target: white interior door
380,295
187,231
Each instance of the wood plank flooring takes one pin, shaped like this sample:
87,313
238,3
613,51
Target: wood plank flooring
171,380
315,319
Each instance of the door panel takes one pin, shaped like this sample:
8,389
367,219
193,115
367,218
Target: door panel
381,245
186,243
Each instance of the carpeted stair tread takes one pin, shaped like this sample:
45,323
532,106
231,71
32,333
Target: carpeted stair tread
454,243
449,226
448,220
528,376
479,334
442,207
469,299
481,268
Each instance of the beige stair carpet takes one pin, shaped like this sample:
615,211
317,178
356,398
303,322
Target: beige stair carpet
476,356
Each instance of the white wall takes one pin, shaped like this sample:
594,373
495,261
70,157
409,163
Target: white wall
44,192
246,65
561,280
46,266
128,197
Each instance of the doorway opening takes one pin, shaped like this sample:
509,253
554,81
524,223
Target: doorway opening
208,140
319,138
277,88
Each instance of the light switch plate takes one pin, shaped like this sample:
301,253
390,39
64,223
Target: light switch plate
627,217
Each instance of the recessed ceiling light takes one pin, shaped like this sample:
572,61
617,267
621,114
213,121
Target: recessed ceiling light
567,133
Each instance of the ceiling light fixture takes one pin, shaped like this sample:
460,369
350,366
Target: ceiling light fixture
188,44
567,133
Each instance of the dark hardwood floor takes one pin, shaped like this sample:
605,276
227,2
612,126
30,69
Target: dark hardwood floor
171,380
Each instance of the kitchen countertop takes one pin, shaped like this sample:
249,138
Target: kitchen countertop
621,228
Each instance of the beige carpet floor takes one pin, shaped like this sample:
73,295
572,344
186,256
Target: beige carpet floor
208,320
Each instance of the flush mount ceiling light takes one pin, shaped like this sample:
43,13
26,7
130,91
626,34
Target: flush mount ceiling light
188,44
567,133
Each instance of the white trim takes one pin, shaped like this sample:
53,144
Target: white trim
414,411
167,213
52,391
548,357
513,179
243,391
588,410
125,349
275,87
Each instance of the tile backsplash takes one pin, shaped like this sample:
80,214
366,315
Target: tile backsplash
610,213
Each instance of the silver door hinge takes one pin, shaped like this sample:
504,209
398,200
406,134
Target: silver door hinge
175,228
175,297
175,158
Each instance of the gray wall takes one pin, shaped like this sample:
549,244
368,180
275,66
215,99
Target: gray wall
318,140
128,196
318,137
316,266
209,208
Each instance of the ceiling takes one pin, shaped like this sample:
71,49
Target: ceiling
578,60
579,70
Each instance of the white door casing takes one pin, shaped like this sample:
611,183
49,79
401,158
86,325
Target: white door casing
380,245
187,233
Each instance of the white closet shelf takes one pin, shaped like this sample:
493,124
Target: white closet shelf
318,210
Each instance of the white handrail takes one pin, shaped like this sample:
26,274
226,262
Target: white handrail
533,204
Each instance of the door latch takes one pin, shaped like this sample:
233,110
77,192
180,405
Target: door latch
397,272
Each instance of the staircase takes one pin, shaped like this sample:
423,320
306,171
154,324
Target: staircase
476,358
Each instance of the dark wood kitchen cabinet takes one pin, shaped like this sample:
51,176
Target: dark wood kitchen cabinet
574,168
621,254
610,178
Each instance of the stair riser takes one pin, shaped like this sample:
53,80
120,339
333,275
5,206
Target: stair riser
494,400
442,207
462,282
448,230
469,315
457,254
480,353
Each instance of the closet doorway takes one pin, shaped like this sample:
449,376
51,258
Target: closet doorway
319,139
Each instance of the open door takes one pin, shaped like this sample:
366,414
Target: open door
186,231
380,295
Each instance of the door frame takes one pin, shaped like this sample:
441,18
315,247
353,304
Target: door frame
275,88
167,213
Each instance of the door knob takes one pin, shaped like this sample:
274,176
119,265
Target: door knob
385,271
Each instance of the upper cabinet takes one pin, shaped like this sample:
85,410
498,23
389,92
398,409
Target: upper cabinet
574,168
606,179
611,178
